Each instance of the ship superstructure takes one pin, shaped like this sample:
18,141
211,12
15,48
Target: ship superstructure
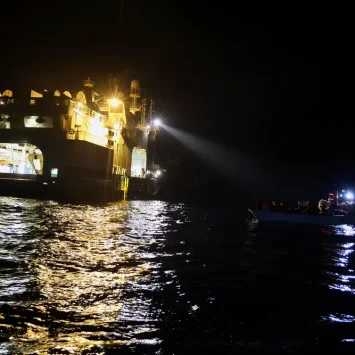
73,145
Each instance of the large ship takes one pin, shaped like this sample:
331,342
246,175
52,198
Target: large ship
80,147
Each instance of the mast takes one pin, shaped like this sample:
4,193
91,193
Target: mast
154,131
135,94
144,112
150,114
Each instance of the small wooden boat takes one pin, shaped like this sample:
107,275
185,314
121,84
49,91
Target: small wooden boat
268,216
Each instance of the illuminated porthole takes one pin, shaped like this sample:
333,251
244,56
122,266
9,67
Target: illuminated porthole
54,172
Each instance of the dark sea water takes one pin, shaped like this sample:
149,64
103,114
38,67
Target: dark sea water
152,277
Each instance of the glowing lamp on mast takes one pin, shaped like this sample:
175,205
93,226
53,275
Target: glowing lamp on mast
114,102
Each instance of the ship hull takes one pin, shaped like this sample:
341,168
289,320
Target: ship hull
84,170
293,218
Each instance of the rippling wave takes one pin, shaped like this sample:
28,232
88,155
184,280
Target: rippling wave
154,277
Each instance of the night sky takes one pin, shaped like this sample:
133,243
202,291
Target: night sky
274,84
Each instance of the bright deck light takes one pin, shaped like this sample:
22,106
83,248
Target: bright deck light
114,102
349,195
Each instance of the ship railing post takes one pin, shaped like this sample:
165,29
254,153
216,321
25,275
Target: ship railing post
125,188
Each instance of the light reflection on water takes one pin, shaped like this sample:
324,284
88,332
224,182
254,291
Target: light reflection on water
68,291
153,277
339,318
344,229
341,279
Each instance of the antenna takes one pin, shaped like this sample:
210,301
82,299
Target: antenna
143,111
151,111
89,83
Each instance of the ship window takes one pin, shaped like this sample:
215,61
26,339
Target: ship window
37,163
38,122
54,172
4,123
32,102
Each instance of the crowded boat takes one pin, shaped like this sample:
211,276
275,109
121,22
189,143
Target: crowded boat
338,208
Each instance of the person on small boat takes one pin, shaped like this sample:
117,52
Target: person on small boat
260,205
330,208
281,207
333,208
302,207
273,206
323,206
